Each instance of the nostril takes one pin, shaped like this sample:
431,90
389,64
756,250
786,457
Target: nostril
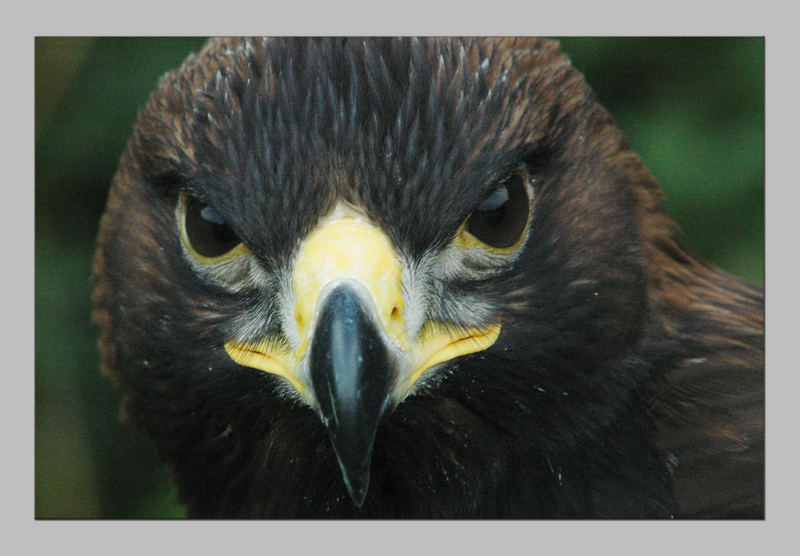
395,313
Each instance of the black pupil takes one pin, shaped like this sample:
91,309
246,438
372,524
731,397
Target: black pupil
207,231
500,219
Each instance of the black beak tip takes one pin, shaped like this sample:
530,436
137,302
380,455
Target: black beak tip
351,374
357,490
354,464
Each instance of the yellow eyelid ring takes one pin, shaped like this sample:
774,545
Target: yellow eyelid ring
514,218
467,240
239,249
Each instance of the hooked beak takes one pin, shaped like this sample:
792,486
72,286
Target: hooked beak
353,359
351,376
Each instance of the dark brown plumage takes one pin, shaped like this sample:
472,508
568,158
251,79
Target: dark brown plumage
608,372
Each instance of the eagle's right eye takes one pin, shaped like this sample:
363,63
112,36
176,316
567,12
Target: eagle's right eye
205,233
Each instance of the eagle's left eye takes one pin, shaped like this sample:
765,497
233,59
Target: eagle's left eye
205,233
501,220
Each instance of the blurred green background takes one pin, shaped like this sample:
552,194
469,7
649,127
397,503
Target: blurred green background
693,108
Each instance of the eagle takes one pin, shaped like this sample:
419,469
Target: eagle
418,278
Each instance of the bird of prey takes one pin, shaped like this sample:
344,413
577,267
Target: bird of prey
418,278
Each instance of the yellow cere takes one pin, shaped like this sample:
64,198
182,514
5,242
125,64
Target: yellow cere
346,246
